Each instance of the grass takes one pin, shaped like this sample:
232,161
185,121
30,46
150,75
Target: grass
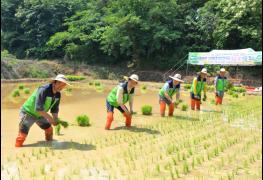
75,78
83,120
146,110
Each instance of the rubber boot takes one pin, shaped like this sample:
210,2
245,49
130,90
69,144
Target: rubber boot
20,139
217,100
220,100
162,108
193,104
198,102
109,120
49,134
128,120
171,109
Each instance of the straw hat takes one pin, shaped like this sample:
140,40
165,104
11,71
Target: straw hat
177,77
204,71
61,78
134,77
222,70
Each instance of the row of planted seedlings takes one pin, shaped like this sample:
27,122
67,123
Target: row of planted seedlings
133,143
235,162
130,156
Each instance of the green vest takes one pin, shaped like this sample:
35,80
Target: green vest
199,87
112,97
171,91
221,84
30,108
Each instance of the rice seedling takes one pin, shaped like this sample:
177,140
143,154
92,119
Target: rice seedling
83,120
184,107
21,86
185,168
26,90
15,93
146,110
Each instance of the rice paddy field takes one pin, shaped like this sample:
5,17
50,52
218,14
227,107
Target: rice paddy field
219,142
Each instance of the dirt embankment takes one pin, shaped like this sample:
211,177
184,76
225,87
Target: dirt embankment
13,70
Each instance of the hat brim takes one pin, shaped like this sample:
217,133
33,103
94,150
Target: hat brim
134,80
60,80
179,80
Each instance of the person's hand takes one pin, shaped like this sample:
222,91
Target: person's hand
53,121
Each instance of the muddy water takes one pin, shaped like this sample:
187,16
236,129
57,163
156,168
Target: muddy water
83,99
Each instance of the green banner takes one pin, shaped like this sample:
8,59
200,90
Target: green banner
228,57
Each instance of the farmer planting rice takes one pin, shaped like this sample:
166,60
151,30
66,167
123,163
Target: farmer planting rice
117,98
34,110
198,85
170,88
220,84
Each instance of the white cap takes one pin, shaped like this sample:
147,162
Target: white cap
61,78
204,71
134,77
222,70
177,77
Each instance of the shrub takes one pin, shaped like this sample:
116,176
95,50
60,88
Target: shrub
180,100
243,94
21,86
83,120
184,107
26,90
75,78
147,110
15,93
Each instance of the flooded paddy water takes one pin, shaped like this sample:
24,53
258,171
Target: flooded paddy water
91,152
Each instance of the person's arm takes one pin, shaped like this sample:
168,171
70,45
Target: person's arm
120,99
166,89
40,101
55,109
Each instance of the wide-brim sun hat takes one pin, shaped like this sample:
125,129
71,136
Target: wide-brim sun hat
177,77
222,70
204,71
134,77
61,78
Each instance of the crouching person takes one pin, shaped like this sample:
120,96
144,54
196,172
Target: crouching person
34,110
167,92
118,97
